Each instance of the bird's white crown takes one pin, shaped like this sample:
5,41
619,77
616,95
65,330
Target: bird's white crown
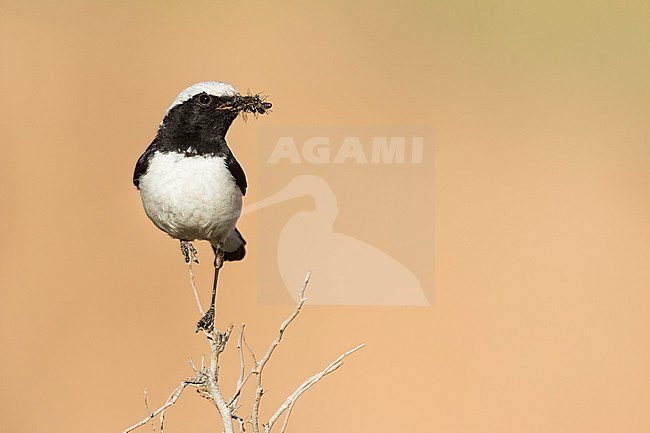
215,88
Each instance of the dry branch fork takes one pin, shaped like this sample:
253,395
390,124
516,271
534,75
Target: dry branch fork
206,379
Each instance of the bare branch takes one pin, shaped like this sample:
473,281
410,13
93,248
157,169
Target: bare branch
242,361
301,301
170,402
286,418
207,376
196,370
146,406
218,343
259,366
240,423
291,400
235,396
250,351
255,420
241,381
194,289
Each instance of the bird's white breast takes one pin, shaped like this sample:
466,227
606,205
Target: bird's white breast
191,197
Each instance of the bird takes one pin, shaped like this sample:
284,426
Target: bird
190,182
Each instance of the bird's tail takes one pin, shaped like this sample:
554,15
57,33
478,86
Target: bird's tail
234,247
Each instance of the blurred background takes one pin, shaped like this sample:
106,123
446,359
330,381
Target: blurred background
540,317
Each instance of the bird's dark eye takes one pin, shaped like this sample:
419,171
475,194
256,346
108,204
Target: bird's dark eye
204,99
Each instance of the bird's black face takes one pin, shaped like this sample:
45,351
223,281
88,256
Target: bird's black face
204,117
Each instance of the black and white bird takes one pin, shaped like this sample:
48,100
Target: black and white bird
190,183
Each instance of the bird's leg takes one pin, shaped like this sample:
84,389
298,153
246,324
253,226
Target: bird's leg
189,252
207,321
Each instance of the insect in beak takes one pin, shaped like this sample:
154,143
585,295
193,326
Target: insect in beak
255,104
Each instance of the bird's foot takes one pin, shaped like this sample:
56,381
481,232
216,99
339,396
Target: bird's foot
207,321
189,252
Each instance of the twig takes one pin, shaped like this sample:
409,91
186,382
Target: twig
250,351
301,300
259,366
146,406
194,289
196,370
286,418
242,361
291,400
240,422
161,410
241,380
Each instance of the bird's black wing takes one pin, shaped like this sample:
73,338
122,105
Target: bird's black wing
143,163
237,172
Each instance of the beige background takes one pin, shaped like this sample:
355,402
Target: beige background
540,319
